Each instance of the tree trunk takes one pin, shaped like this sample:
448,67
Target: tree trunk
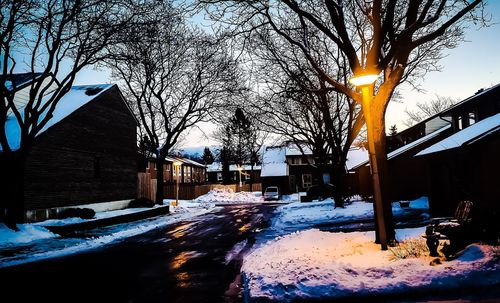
160,191
375,127
251,177
12,207
339,192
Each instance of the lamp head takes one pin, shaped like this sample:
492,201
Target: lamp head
363,79
177,163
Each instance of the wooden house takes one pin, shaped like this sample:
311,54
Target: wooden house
85,156
191,172
249,174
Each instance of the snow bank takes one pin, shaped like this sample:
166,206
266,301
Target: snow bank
26,233
320,265
315,213
228,196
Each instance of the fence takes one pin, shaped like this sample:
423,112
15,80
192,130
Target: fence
146,187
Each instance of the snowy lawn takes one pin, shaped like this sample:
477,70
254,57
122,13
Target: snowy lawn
314,213
321,265
228,196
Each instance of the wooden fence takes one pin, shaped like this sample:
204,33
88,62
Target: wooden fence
146,187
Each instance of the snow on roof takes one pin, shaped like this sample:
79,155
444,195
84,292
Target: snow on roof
293,150
409,146
465,136
466,100
355,157
274,162
77,97
183,160
217,166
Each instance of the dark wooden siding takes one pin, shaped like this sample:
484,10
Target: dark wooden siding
88,157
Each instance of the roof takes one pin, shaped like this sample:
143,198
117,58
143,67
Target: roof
274,162
184,161
471,98
217,166
356,156
19,81
409,146
466,136
293,149
75,98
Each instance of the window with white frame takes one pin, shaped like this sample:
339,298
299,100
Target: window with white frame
219,176
306,180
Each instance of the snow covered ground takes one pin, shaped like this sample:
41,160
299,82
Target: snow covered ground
316,264
34,242
228,196
315,213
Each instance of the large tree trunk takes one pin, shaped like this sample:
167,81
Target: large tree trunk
251,177
12,205
375,126
160,190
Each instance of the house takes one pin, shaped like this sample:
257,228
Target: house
249,174
191,172
448,157
84,156
290,168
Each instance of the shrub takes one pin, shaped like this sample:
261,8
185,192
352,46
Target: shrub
411,248
141,202
84,213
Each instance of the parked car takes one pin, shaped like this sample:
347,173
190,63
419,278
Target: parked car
320,192
272,193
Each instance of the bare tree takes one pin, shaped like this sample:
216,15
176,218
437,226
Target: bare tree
300,106
50,41
428,109
397,39
173,76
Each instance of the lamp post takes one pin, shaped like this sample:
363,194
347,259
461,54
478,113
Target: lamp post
365,82
239,168
177,166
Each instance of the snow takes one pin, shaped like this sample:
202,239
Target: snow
293,150
69,103
44,245
312,264
464,136
228,196
314,213
26,233
410,145
217,166
356,156
274,162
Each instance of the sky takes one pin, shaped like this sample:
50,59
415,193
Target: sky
473,65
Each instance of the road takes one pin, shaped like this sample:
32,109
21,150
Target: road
194,261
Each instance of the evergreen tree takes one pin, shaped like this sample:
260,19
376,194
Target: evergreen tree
393,130
208,157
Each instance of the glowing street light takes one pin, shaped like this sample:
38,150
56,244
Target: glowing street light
365,82
177,166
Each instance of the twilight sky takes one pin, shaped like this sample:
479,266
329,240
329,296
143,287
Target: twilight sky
472,65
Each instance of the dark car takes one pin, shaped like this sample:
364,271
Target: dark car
320,192
272,193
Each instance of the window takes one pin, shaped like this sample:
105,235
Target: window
219,176
296,160
97,167
247,176
306,180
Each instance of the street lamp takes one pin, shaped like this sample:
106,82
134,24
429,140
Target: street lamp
177,166
365,81
239,168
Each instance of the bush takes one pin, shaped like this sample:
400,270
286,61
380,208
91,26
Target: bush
141,202
411,248
84,213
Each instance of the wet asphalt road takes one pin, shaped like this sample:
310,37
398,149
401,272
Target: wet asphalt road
197,260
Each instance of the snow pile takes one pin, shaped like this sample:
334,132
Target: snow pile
186,206
315,264
228,196
313,213
26,233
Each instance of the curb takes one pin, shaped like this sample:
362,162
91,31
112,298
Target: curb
91,224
